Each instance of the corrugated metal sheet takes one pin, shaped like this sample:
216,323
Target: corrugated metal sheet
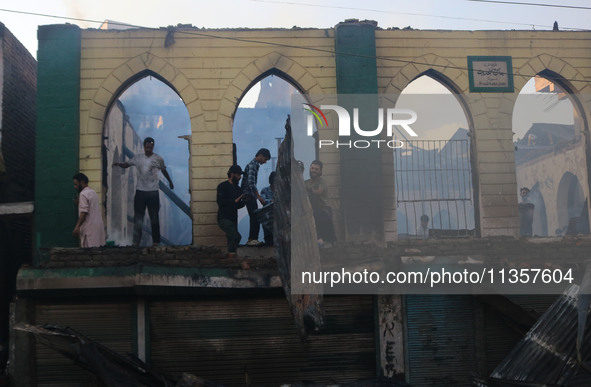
500,337
440,342
547,353
111,324
221,338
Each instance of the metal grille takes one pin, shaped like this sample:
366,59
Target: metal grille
223,339
440,340
434,178
111,324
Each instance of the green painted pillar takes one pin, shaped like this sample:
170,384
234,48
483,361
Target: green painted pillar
361,171
57,142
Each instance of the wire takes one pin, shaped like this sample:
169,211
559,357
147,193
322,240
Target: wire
414,14
534,4
66,17
400,13
308,5
212,36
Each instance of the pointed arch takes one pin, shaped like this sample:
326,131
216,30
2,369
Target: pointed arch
555,67
456,82
271,72
569,78
262,125
452,78
128,73
565,165
441,69
271,64
146,106
566,76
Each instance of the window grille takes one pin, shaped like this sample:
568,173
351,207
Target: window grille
434,178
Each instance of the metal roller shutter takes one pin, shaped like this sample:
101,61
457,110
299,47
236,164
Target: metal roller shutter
441,348
221,338
111,324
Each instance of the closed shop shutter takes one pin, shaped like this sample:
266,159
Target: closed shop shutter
110,324
440,340
225,339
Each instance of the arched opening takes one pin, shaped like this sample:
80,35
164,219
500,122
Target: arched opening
259,122
550,154
433,171
147,107
540,223
571,207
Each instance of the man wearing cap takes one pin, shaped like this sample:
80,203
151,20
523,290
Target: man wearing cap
230,199
146,192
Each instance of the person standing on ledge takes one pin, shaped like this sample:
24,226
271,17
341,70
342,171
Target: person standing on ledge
230,199
90,227
268,194
146,191
318,193
251,192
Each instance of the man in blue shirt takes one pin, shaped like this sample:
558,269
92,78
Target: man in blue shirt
249,188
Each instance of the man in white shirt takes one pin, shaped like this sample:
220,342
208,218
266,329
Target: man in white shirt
146,191
89,227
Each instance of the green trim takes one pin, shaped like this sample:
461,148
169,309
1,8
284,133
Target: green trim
120,271
58,127
357,87
140,279
509,88
77,272
186,271
356,65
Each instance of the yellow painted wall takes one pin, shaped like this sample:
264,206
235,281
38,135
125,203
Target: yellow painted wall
405,55
212,69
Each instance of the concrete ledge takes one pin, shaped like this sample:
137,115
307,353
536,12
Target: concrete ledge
170,256
37,279
205,268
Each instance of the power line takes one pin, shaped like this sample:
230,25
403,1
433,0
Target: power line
534,4
317,6
65,17
399,13
412,14
243,40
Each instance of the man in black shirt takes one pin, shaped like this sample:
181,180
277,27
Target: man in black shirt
230,199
